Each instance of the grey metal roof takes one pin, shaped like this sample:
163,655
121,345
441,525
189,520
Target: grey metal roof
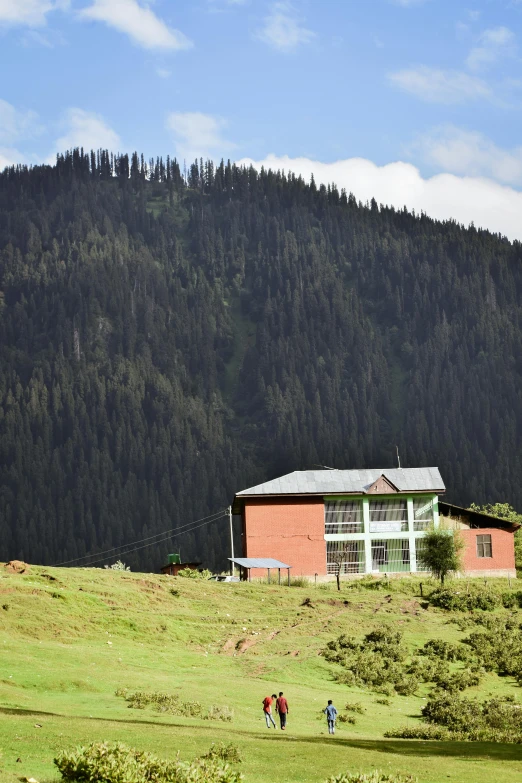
258,562
332,482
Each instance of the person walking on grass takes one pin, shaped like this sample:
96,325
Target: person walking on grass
282,710
331,715
267,709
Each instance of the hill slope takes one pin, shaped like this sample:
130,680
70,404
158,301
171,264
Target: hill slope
227,645
165,342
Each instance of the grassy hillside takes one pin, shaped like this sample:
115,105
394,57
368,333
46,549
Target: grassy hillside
70,638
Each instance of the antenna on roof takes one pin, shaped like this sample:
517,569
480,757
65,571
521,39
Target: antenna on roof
398,458
326,467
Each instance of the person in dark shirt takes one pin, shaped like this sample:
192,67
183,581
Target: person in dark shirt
282,710
267,709
331,715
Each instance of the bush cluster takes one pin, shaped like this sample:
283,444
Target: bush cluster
466,599
381,662
419,732
172,704
494,720
117,763
371,777
226,752
499,647
354,706
192,573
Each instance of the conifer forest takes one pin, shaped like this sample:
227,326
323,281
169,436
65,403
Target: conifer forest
169,337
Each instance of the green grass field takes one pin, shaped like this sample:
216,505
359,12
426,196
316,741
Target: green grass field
70,637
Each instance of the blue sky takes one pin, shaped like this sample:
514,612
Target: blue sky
417,102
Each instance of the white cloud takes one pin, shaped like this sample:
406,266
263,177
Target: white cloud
469,153
445,196
283,30
85,129
435,85
31,13
9,156
197,135
137,21
16,124
494,43
163,73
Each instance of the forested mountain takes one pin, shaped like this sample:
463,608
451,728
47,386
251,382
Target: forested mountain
167,339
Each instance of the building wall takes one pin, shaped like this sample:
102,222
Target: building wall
502,547
288,529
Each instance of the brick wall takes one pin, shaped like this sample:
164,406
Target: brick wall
502,547
288,529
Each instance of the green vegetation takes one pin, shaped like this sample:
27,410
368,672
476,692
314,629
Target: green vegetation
165,342
440,553
115,762
117,631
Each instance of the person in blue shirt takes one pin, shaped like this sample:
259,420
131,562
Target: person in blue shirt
331,715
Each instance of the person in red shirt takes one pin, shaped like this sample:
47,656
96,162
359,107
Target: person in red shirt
282,709
267,709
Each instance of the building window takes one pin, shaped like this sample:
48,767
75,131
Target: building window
422,513
343,516
388,516
391,555
352,559
484,546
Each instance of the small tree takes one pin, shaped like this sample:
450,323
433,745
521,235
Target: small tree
441,552
338,558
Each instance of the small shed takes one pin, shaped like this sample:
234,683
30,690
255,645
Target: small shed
172,569
247,563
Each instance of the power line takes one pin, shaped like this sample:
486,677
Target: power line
140,540
144,546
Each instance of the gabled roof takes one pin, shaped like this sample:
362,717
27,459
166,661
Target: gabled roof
337,482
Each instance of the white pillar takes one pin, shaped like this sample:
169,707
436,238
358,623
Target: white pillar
411,536
368,567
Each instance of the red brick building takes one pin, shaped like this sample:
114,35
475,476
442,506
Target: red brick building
377,518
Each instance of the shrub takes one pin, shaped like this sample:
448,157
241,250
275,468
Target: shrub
499,648
371,777
192,573
119,566
461,600
217,712
346,719
419,732
354,706
445,651
229,753
117,763
495,720
407,686
172,704
386,702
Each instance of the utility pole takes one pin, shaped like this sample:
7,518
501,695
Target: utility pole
231,540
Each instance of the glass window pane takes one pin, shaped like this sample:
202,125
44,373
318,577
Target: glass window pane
388,516
391,555
343,516
422,513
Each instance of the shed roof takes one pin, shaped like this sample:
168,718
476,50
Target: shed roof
478,518
258,562
334,482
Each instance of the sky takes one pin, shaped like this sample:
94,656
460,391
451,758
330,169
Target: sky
413,102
